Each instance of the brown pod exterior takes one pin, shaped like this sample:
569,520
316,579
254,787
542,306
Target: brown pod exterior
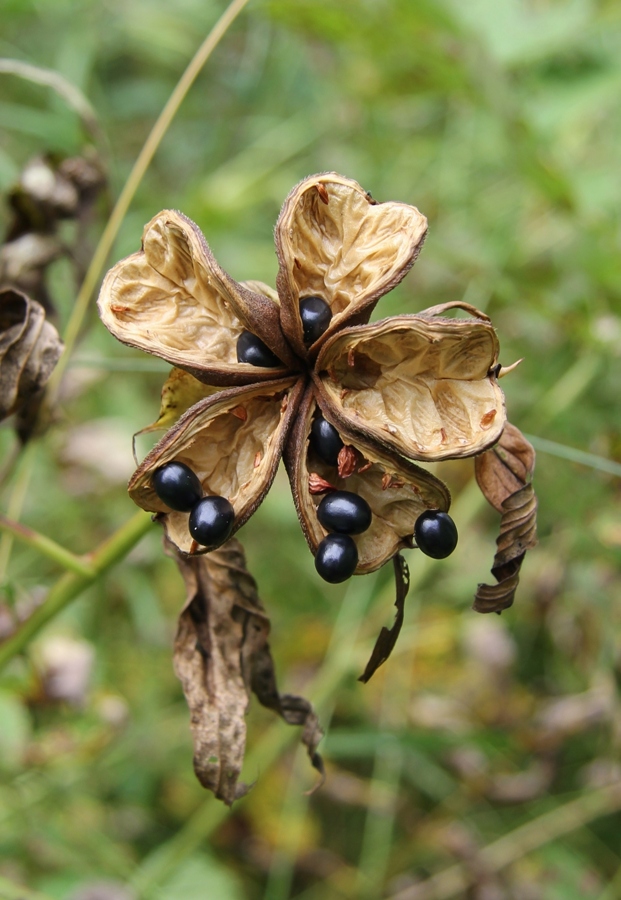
233,442
396,490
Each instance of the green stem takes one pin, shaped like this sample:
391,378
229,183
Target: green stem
133,181
46,546
16,504
11,891
575,455
71,585
518,843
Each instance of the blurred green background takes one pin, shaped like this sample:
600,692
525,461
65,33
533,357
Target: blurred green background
500,120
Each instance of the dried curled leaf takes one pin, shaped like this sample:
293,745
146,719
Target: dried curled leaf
232,441
504,475
48,190
335,242
29,349
387,639
172,299
416,385
396,490
221,655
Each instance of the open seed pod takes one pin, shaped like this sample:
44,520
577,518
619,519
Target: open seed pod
422,386
233,442
397,491
172,299
335,242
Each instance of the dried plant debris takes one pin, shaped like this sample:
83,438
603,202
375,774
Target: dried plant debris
29,349
504,475
299,373
388,636
221,657
50,190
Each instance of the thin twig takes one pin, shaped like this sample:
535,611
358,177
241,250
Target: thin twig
511,847
11,891
46,546
69,92
16,504
575,455
71,585
133,181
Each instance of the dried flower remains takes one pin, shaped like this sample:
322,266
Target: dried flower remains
300,373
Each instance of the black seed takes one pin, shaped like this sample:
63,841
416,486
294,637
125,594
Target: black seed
325,441
344,512
252,350
336,558
177,486
316,316
211,521
435,534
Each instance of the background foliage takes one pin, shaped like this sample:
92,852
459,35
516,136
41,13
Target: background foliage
500,120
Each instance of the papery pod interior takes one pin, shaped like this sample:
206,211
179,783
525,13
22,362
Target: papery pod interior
397,491
421,386
172,299
335,242
233,442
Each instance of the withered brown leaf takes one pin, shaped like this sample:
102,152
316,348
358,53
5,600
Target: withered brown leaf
221,656
388,636
29,349
504,475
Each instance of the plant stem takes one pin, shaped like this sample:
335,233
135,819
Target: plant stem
71,585
11,891
133,181
16,504
511,847
46,546
69,92
563,451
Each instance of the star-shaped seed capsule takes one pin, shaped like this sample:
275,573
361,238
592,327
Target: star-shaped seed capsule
300,373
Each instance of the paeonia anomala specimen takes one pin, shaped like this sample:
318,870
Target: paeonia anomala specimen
300,372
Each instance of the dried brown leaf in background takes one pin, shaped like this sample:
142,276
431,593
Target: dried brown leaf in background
29,349
221,655
49,190
388,636
504,475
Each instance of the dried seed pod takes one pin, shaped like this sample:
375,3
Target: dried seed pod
172,299
232,441
334,241
418,385
396,491
29,350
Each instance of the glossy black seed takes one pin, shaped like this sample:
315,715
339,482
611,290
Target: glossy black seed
344,512
316,316
325,441
211,521
177,486
336,558
252,350
435,533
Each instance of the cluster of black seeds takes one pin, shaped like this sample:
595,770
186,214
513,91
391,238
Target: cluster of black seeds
342,513
211,518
